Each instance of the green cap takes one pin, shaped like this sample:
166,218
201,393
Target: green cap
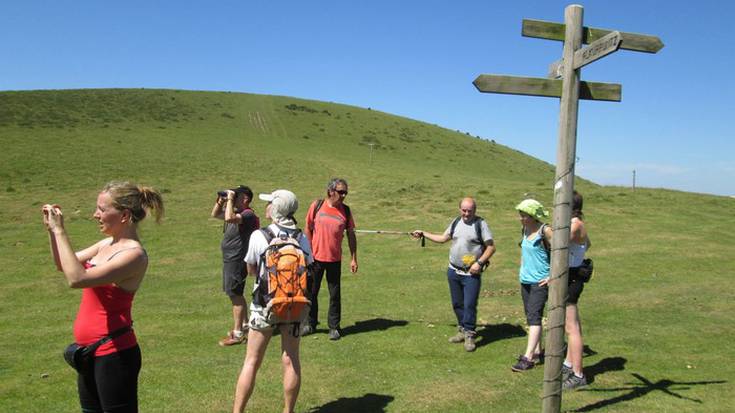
533,208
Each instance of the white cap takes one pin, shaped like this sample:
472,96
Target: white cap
283,205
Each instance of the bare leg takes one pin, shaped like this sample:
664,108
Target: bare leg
239,311
574,333
291,368
257,343
534,338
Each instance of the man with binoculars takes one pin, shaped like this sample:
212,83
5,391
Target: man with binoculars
233,206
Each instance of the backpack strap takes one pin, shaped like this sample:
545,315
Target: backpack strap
547,247
268,234
454,225
478,229
319,202
348,213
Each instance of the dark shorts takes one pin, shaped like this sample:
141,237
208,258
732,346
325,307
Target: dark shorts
534,300
233,278
575,288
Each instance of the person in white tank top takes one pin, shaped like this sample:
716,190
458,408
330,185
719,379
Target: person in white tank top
579,242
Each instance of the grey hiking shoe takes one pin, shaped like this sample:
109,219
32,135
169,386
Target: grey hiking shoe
565,373
469,341
523,364
457,338
306,330
334,334
574,382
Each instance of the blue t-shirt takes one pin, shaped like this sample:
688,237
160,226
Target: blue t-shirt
534,260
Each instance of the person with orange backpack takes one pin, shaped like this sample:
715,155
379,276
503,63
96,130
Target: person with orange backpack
277,257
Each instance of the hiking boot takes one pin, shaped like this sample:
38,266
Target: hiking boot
334,334
565,372
574,382
307,329
469,341
523,364
457,338
232,339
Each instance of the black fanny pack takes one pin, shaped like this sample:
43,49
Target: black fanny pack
79,357
583,272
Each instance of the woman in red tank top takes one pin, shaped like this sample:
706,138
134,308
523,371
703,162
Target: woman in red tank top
109,273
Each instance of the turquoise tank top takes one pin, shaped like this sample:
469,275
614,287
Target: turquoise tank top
534,260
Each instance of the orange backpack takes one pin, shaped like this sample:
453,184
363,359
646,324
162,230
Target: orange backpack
283,283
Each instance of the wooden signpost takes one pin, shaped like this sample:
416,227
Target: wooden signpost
569,89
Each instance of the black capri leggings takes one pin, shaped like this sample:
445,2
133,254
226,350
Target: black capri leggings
111,383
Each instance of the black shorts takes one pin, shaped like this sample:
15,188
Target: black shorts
233,278
111,383
534,301
576,285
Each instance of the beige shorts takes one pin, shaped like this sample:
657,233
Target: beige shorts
259,322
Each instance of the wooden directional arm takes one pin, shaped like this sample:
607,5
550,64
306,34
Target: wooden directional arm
534,86
555,31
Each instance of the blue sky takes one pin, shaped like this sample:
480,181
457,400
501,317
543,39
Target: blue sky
415,59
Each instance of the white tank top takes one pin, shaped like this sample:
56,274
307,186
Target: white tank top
576,254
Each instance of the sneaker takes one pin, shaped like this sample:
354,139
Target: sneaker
538,358
523,364
232,340
565,372
334,334
469,341
306,330
457,338
574,382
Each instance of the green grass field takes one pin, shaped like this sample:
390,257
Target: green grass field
657,315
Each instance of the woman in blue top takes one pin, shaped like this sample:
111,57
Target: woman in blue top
534,276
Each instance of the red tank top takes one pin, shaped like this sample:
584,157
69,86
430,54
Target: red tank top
103,310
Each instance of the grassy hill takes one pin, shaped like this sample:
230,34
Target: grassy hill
656,314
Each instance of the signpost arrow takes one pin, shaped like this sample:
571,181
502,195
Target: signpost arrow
537,86
555,31
597,49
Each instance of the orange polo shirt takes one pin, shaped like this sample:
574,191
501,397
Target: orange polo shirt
329,228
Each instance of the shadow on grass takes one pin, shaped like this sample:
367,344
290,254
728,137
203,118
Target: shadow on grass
603,366
375,324
491,333
369,403
644,386
587,351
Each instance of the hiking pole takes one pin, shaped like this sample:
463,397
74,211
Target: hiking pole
380,231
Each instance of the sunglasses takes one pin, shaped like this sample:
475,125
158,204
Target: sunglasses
342,192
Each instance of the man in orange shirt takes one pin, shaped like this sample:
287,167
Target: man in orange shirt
326,223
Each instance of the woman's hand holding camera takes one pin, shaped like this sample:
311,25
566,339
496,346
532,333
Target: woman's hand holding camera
53,218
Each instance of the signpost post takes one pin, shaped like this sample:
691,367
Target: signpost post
569,89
